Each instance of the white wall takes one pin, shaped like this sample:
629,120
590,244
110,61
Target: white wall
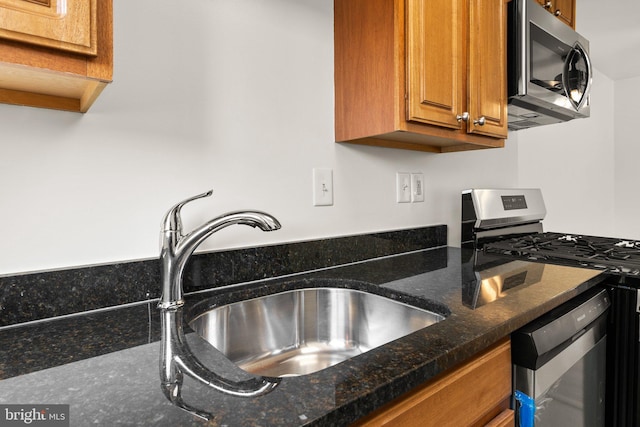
237,95
627,153
573,163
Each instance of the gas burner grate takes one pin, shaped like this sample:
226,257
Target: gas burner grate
603,253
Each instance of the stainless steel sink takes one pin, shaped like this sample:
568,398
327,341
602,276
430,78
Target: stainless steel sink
302,331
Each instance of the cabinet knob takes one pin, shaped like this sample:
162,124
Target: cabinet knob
480,122
547,5
464,117
557,12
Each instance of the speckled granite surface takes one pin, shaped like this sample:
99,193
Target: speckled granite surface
33,296
105,365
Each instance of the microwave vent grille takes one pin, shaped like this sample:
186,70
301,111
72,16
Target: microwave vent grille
522,124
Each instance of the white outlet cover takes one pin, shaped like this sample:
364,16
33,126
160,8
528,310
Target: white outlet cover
417,187
322,187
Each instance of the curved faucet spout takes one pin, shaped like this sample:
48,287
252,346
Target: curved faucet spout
176,359
177,248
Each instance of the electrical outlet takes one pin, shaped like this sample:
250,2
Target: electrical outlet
417,187
322,187
403,187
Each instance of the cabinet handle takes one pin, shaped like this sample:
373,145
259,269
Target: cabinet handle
480,122
547,5
557,12
463,118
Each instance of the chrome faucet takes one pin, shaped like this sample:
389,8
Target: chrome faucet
176,358
177,248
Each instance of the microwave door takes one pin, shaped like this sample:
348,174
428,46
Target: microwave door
549,75
547,61
577,77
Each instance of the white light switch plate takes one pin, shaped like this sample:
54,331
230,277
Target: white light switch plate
322,187
417,187
403,187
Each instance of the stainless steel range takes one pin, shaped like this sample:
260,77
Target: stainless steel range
502,226
509,222
614,256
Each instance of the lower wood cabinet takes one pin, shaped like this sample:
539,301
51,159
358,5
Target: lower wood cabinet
475,393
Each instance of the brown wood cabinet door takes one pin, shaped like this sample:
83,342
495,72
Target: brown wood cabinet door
69,25
435,65
487,71
52,78
565,10
505,419
469,395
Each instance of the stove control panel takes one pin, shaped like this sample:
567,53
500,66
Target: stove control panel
511,203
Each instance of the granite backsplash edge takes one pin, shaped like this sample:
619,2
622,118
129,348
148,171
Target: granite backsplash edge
42,295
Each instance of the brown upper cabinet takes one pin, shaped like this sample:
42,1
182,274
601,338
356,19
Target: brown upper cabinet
55,53
61,24
565,10
426,75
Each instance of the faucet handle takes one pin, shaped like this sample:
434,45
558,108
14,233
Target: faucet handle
172,220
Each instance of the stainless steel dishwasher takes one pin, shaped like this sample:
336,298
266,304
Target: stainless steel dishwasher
559,364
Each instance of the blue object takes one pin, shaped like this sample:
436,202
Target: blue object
526,409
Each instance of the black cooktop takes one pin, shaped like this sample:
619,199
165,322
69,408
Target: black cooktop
615,256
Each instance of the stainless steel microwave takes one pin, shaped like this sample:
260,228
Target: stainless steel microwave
549,71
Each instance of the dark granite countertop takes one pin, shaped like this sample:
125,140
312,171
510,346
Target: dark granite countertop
104,364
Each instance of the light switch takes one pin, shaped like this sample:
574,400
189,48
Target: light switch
403,187
322,187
